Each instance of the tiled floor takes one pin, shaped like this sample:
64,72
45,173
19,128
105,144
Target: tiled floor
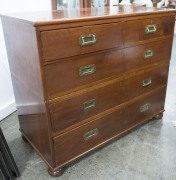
146,153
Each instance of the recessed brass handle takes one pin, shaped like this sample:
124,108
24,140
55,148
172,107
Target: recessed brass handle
89,104
86,70
146,82
144,107
88,39
148,54
150,29
90,134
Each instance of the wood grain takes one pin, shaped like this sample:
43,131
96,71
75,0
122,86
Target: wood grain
24,64
64,43
135,30
73,144
110,63
45,18
69,112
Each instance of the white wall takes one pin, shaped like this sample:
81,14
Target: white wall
7,101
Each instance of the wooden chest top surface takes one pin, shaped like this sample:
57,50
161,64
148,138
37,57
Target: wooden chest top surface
79,15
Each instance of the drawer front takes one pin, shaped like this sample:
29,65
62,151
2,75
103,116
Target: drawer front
140,30
76,73
71,74
150,53
86,137
83,106
73,41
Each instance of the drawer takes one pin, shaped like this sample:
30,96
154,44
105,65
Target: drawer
73,110
85,138
145,29
73,41
80,72
147,54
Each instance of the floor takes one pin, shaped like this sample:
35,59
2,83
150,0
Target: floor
145,153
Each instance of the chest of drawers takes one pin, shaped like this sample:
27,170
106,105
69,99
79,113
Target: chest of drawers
84,77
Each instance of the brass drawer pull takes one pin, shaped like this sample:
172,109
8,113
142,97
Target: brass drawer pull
150,29
86,70
90,134
148,54
88,39
89,104
146,82
145,107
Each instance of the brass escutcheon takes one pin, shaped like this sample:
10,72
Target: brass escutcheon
144,107
146,82
150,29
89,104
148,53
90,134
86,70
88,39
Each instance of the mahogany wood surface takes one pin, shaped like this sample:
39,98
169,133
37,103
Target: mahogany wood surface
53,40
73,144
21,43
110,63
45,59
101,21
165,26
44,18
135,30
69,112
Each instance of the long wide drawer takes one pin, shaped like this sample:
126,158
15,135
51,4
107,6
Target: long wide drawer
73,110
145,29
73,41
74,73
91,135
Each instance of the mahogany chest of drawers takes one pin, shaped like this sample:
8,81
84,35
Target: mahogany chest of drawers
83,77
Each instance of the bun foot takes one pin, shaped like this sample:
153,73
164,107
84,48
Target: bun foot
55,173
158,116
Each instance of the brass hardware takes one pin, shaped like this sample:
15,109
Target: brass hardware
145,107
89,104
90,134
88,39
146,82
86,70
148,54
150,29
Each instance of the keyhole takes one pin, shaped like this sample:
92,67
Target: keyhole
122,53
121,84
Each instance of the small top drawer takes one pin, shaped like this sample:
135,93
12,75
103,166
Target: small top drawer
141,30
73,41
